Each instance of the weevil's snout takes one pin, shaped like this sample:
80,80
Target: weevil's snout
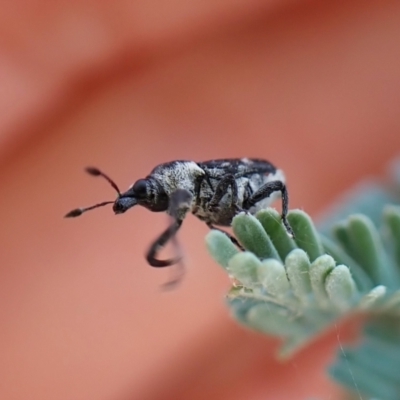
123,204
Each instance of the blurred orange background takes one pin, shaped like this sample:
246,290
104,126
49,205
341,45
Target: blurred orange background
312,86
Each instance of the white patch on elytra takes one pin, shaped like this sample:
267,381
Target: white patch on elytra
255,183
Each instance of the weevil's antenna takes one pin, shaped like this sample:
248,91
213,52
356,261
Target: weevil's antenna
96,172
79,211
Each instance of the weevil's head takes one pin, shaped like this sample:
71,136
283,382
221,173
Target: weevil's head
123,204
136,194
145,192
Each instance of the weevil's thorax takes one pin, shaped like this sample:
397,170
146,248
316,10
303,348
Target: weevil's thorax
177,175
174,175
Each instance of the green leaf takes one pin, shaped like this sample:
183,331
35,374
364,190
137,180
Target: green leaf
244,267
361,278
319,271
220,247
341,234
306,236
341,287
392,304
391,217
298,270
275,320
252,236
373,298
367,249
272,276
271,221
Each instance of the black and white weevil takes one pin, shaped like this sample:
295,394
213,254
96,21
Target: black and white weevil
214,191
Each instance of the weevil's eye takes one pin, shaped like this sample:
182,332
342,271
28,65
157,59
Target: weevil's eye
140,188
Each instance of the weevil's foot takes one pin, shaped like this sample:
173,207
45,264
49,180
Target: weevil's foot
288,228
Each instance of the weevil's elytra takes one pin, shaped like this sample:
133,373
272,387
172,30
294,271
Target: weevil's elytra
214,191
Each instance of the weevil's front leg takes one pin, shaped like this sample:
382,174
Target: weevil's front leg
232,238
221,189
266,191
159,243
180,202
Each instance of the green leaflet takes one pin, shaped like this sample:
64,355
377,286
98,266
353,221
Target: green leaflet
220,247
253,237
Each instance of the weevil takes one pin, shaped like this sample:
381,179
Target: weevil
214,191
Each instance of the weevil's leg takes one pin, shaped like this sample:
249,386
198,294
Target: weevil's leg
208,180
266,191
226,182
177,276
180,202
159,243
197,187
232,238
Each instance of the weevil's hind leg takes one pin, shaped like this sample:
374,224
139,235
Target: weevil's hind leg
180,202
232,238
221,189
266,191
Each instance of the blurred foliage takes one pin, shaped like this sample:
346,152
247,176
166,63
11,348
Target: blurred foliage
296,288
